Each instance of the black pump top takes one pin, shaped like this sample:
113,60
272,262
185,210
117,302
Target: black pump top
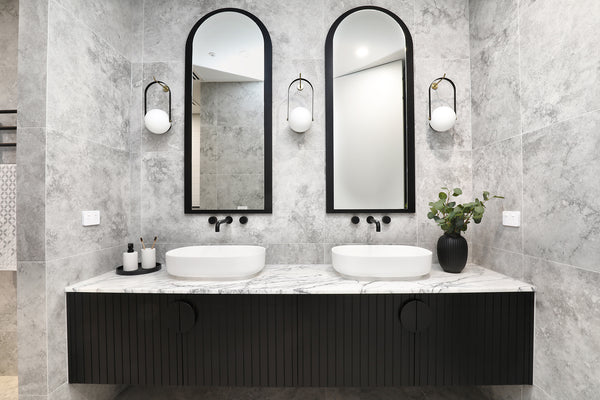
130,247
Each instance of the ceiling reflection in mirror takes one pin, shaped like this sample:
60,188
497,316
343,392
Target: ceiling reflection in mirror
227,164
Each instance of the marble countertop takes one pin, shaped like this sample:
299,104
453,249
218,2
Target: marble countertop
305,279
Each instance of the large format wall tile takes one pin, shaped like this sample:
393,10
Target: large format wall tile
8,323
491,23
81,176
118,23
567,343
31,194
497,168
559,60
31,322
441,29
89,83
33,42
560,192
495,102
9,30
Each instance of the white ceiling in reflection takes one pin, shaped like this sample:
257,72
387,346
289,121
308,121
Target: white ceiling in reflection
228,47
365,39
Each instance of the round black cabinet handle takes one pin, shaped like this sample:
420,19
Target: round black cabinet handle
183,316
415,316
355,220
386,220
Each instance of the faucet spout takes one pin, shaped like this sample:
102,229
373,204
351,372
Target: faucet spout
372,220
219,222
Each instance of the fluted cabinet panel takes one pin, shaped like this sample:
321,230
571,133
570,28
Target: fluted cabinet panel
301,340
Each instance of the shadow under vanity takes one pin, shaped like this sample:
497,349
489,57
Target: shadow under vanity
301,325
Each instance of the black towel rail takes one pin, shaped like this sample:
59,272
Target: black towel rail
8,128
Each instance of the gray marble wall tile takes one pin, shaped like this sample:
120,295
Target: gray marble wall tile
8,323
82,175
240,150
441,29
60,274
89,83
559,62
32,329
9,31
237,190
560,192
31,194
567,343
310,253
497,168
459,137
119,23
491,24
505,262
495,81
33,39
495,85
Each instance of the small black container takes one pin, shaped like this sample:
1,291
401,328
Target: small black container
452,251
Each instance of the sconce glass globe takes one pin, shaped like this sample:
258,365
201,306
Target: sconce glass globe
157,121
442,119
300,119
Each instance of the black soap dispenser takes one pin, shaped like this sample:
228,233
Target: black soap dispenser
130,259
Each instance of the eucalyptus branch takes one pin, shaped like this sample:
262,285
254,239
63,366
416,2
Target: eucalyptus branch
453,218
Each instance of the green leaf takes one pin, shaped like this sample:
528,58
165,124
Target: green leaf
457,192
486,196
443,196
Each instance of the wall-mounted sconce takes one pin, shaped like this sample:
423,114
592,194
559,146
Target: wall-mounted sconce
300,119
443,117
156,120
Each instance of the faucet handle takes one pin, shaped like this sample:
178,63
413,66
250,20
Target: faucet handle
370,219
243,220
386,219
212,220
355,220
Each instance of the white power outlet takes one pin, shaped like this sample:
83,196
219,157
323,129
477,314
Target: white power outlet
511,218
89,218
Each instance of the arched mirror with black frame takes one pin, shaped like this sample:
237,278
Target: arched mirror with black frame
228,123
370,151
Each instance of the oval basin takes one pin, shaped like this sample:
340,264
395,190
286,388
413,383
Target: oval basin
215,262
381,262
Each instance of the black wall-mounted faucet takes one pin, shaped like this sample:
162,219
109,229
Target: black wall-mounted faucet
371,220
217,222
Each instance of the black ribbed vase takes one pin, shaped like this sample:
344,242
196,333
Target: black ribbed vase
452,251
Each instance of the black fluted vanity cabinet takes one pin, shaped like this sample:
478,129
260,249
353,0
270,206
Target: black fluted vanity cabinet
301,340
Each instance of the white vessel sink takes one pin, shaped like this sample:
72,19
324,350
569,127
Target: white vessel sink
215,262
381,262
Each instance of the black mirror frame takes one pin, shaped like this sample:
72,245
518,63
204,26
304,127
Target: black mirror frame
268,120
409,120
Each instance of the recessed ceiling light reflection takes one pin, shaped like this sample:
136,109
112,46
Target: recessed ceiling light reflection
362,52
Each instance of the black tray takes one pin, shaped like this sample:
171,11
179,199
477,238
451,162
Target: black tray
139,271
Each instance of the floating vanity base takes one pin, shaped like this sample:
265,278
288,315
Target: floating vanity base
301,340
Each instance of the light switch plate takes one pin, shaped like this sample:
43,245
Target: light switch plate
511,218
89,218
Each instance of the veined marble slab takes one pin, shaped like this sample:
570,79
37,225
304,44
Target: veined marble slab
305,279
